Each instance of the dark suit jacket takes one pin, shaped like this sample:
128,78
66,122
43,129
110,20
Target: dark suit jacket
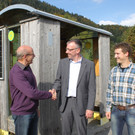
86,86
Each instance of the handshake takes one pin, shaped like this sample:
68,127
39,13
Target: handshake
54,94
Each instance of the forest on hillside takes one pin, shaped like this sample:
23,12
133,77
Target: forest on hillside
120,33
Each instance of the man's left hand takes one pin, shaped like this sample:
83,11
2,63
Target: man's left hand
89,114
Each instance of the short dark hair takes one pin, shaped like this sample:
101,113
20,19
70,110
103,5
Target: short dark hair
77,42
125,48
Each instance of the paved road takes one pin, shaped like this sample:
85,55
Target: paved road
97,129
94,128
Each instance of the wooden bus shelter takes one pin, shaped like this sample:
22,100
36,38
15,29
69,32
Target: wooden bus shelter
47,34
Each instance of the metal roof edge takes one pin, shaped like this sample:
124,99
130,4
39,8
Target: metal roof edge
42,13
39,12
17,6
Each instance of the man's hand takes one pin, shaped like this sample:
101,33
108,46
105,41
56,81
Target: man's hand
108,115
38,112
54,94
89,114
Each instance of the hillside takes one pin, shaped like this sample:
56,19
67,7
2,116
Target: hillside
116,30
48,8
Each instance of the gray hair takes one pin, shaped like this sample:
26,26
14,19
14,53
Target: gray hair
77,42
20,53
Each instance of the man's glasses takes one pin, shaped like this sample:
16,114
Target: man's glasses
67,49
31,54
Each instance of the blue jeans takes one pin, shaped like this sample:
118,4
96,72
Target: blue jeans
26,124
119,118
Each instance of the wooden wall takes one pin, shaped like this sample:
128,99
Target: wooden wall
104,68
44,36
4,105
30,36
49,59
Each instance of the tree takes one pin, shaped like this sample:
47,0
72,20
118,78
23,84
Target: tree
129,37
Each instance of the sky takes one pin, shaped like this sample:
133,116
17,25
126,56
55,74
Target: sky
120,12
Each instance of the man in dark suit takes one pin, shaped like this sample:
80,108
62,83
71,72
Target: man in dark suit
76,82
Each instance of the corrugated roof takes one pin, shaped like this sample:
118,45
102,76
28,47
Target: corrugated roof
45,14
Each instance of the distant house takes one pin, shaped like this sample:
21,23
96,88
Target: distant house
47,34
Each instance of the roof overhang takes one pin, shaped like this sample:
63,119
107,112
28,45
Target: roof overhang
15,13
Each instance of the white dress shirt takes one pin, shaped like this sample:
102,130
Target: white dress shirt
73,77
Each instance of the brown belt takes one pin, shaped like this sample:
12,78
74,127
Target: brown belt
122,108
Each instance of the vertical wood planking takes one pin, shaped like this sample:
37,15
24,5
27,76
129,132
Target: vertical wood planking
44,37
30,36
4,105
49,58
104,68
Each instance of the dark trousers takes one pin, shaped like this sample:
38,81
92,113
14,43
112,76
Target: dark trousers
71,115
26,124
